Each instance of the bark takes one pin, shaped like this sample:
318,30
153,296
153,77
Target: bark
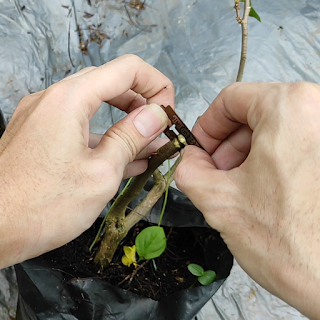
117,223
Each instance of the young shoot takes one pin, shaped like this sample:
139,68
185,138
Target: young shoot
204,277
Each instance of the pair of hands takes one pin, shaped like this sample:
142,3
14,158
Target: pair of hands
257,183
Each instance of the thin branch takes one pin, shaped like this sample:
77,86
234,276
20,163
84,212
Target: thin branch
117,224
142,209
131,275
164,153
244,30
236,7
170,177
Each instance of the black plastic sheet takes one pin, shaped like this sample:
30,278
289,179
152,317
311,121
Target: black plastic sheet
2,124
48,292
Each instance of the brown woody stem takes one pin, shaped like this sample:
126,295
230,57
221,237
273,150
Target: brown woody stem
117,224
244,42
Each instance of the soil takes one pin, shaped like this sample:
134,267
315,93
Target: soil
154,279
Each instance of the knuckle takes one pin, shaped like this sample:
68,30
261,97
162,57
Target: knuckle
300,87
132,57
27,100
26,106
230,89
304,91
57,89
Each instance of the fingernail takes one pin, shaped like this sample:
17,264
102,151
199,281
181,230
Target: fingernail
150,120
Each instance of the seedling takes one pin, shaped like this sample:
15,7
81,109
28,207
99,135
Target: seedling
204,277
150,243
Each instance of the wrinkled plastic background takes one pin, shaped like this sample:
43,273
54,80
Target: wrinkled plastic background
195,42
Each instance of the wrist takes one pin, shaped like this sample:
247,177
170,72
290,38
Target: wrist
17,232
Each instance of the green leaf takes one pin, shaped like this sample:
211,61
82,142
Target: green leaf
195,269
151,242
207,278
253,13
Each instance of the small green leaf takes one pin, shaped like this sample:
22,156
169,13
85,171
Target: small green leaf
207,278
151,242
254,14
195,269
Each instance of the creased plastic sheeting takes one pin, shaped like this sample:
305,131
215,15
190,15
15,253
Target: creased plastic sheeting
196,43
91,298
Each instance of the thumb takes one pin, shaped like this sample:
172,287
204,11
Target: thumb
194,171
128,137
208,188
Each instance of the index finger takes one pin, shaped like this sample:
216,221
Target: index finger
116,77
238,104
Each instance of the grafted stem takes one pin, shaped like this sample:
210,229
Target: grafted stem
117,224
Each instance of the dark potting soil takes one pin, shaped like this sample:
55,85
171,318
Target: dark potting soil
154,279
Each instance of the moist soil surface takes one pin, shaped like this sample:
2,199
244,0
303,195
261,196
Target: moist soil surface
154,279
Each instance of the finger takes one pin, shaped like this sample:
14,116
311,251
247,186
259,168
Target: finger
234,149
198,178
135,168
122,74
238,104
152,147
127,138
79,73
128,101
94,139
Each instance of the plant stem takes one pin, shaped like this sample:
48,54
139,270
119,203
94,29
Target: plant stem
104,219
117,223
148,202
165,196
244,31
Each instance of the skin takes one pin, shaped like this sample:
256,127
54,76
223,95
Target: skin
55,177
259,183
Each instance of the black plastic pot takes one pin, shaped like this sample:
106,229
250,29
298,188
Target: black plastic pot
2,124
47,292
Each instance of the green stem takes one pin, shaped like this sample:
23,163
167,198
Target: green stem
105,217
165,196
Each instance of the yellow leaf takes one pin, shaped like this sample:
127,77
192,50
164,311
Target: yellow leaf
129,257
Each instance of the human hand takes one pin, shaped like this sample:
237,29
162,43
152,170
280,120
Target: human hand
55,179
259,183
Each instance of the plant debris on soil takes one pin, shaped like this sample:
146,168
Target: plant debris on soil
155,278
